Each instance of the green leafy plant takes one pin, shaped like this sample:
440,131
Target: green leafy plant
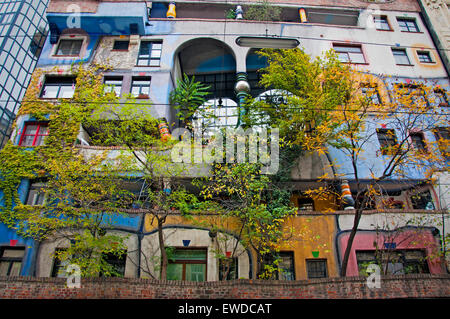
230,14
263,11
188,96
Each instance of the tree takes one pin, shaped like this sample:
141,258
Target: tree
79,191
325,111
242,193
86,193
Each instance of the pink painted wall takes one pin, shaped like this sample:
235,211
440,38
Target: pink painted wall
408,239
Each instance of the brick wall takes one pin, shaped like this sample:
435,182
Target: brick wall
408,286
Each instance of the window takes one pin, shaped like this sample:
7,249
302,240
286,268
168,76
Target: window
349,54
442,135
58,87
11,260
223,267
418,141
59,267
401,57
113,84
396,262
372,95
69,47
366,197
415,93
36,195
149,53
387,139
187,264
424,57
286,265
381,23
305,203
117,261
440,97
140,87
316,268
38,41
407,25
422,200
121,45
34,134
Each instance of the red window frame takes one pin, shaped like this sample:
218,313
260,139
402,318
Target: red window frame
36,135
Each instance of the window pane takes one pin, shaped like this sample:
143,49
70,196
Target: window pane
33,196
121,45
66,92
190,254
287,266
381,23
31,129
135,91
357,58
412,26
27,140
4,266
50,92
316,268
157,46
13,253
15,269
142,62
156,54
174,272
423,201
424,57
43,130
401,57
228,265
195,272
40,139
343,57
69,47
154,62
64,48
145,48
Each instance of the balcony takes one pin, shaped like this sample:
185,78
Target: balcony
122,18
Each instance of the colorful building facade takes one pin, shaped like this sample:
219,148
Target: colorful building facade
149,51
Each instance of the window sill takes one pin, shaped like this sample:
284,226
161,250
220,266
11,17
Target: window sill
66,56
404,64
55,99
390,30
117,50
356,63
420,32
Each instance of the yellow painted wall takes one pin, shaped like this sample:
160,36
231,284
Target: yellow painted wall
307,227
306,241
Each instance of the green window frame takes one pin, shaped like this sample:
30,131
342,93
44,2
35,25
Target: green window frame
188,264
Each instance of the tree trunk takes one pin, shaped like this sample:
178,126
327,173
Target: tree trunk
350,242
164,261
